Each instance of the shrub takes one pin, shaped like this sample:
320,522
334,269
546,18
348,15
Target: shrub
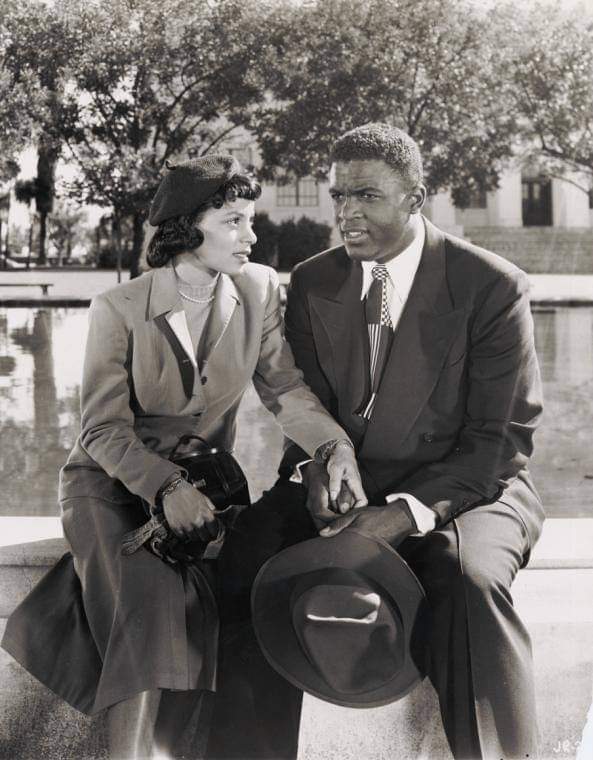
284,245
106,258
265,251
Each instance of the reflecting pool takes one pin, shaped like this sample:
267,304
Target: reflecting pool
41,353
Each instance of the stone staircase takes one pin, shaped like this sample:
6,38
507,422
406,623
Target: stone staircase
542,250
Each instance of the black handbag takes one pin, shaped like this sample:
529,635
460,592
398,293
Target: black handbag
214,472
218,475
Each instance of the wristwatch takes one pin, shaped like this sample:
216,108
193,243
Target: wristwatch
324,452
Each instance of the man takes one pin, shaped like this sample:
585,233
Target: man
421,346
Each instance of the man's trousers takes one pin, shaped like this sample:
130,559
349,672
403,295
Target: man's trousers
480,652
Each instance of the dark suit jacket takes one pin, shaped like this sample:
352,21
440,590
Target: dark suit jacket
460,396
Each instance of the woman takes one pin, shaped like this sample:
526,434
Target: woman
168,354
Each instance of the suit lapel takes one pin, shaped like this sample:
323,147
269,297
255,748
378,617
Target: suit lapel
426,329
341,326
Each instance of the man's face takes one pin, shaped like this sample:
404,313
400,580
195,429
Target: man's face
372,209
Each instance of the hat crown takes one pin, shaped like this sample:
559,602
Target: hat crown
343,618
350,635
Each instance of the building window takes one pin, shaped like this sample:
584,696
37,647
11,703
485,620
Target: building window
244,155
477,199
537,202
301,192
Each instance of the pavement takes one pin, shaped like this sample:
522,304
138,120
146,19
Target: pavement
80,285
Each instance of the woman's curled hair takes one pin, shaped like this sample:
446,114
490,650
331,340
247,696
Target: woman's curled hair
181,233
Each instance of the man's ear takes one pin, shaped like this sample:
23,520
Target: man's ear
417,199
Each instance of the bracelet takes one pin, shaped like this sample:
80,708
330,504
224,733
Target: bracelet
324,452
171,486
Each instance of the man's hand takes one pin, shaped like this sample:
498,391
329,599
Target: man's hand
316,481
190,513
393,522
344,479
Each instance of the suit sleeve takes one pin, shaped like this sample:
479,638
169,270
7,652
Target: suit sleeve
504,404
300,337
280,385
107,433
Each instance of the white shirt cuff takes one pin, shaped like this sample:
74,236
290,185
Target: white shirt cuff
297,473
425,518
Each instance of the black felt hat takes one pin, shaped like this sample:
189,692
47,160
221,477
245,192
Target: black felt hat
342,618
187,185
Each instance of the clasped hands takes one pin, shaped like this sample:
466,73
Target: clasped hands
336,502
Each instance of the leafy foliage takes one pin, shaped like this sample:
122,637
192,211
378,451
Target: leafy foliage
430,67
154,80
300,240
265,251
553,76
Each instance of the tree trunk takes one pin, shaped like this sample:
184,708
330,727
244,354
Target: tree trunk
47,156
42,260
31,223
116,243
137,242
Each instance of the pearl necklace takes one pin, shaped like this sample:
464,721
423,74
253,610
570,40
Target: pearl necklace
196,300
198,290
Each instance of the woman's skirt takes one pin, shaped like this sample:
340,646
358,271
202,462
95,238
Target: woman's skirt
101,626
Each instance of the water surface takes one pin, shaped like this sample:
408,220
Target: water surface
41,354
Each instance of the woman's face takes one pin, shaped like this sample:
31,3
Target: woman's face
228,237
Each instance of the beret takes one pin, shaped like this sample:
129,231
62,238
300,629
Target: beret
188,184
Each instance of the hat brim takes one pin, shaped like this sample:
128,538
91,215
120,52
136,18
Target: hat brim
373,560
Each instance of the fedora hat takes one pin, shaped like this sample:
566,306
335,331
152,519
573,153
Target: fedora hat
342,618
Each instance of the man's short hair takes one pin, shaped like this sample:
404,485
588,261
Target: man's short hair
381,142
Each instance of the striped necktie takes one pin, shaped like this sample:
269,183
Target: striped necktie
380,328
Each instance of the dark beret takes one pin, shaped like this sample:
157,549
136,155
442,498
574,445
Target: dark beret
188,184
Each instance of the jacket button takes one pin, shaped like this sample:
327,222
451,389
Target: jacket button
428,437
204,380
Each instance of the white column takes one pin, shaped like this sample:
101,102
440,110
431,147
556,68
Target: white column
441,211
505,204
570,204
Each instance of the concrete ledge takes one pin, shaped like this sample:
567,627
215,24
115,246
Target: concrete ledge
553,597
37,542
43,301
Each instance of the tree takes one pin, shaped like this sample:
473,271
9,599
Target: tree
431,67
68,227
38,50
155,80
17,99
553,78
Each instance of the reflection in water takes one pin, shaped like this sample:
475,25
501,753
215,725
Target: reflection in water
562,466
38,424
41,354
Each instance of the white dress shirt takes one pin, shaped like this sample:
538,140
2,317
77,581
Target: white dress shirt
402,270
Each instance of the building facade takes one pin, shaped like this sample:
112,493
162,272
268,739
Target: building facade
543,224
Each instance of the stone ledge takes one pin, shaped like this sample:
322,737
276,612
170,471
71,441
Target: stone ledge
554,602
566,543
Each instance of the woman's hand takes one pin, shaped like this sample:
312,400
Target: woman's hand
190,513
345,485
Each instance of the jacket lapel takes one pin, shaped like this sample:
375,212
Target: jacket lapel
164,309
341,326
426,330
225,300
